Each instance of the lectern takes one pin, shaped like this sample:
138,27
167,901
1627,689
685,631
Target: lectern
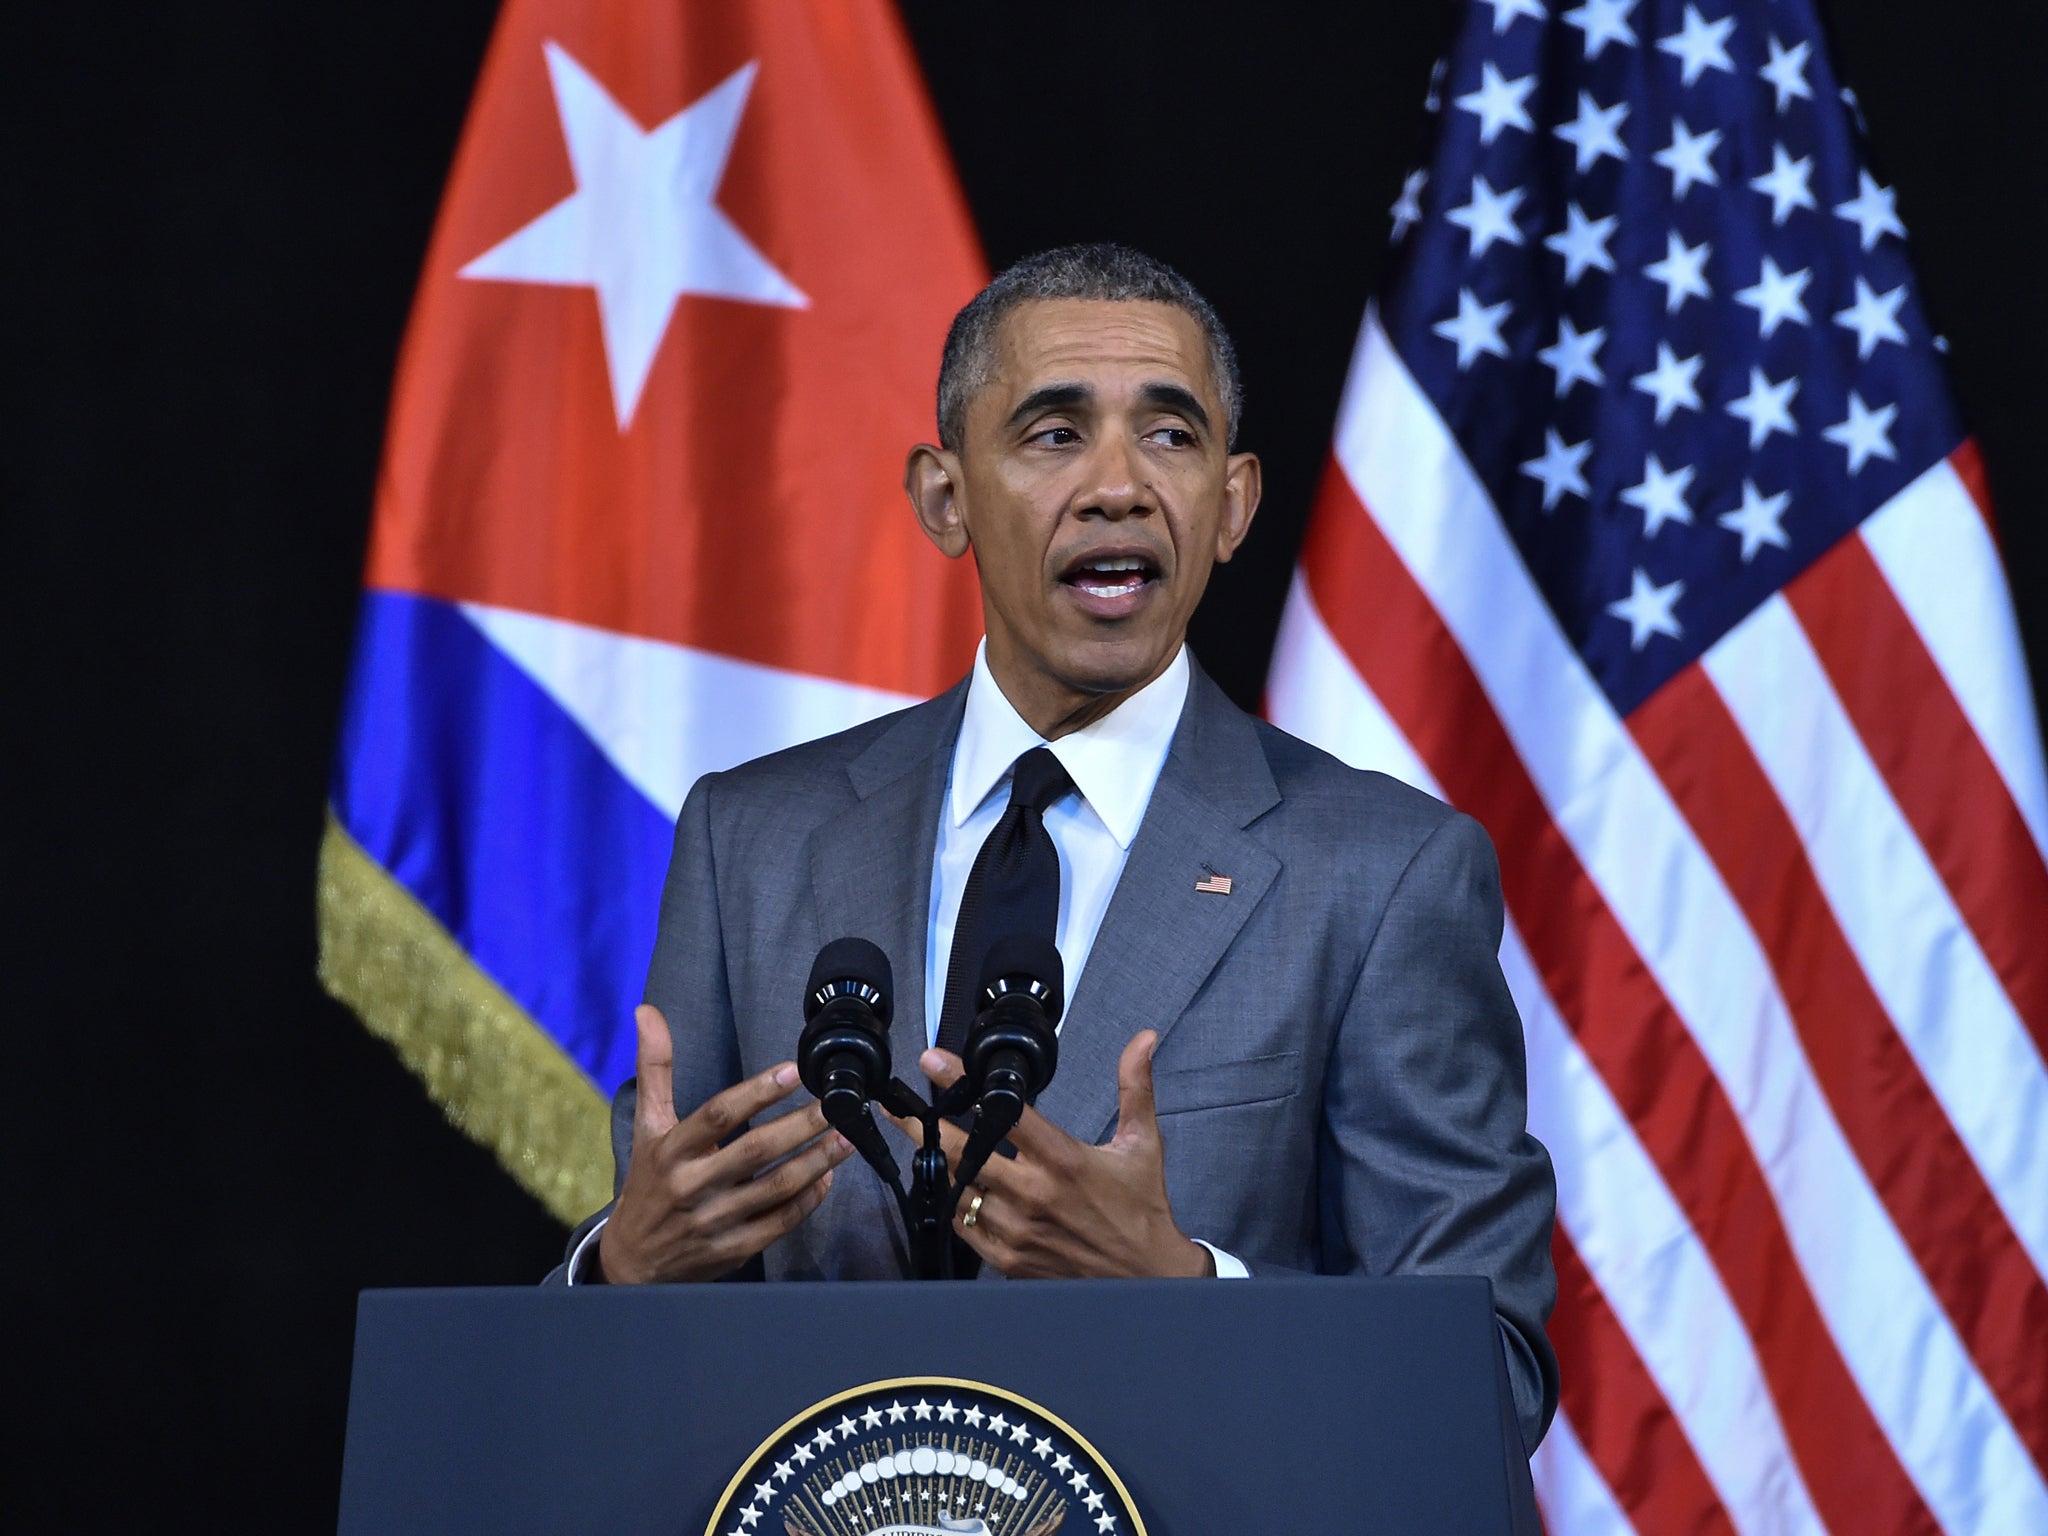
1074,1408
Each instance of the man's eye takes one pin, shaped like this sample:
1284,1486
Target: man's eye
1056,437
1172,437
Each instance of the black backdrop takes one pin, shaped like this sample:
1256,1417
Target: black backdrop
218,214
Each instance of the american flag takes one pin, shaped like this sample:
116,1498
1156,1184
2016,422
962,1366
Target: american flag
1651,538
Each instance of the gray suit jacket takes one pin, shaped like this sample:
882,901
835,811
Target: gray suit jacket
1340,1073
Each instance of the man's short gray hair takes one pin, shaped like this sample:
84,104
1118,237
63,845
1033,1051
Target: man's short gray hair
1101,271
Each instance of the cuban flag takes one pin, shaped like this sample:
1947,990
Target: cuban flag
639,519
1651,537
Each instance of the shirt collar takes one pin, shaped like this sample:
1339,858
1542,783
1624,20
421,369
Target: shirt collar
1114,762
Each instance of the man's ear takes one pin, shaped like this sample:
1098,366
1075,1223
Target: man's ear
931,478
1243,483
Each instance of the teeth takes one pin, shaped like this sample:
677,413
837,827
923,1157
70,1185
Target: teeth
1124,563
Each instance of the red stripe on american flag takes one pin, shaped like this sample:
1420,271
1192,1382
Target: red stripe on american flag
1968,463
1621,1418
1607,995
1937,1198
1945,783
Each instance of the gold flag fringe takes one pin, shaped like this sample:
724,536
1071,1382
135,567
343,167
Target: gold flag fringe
495,1072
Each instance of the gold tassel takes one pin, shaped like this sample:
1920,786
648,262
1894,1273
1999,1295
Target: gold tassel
495,1072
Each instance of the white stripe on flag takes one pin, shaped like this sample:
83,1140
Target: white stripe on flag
1610,806
1920,956
1657,1279
1934,548
665,715
1575,1498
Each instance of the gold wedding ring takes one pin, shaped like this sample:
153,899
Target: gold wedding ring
974,1208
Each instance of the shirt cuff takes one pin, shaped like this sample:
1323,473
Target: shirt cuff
588,1249
1228,1265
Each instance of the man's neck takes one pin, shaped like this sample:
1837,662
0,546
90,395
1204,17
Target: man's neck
1054,710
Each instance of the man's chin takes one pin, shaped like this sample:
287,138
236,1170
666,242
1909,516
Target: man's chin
1078,678
1118,668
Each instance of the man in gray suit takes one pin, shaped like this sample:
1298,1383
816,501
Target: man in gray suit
1289,1047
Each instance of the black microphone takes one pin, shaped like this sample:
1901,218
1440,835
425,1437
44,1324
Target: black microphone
843,1053
1013,1046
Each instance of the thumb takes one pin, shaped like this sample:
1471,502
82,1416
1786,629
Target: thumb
654,1112
1136,1113
942,1067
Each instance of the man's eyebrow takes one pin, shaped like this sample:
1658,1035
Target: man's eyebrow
1171,397
1050,397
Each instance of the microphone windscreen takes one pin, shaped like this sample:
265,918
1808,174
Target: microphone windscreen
854,960
1032,956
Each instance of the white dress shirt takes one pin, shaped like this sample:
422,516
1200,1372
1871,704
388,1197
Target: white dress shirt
1115,765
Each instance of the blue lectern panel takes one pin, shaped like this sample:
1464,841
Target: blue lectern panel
1228,1407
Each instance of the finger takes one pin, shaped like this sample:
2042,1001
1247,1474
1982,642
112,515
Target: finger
725,1112
746,1238
1035,1136
765,1145
942,1067
999,1172
981,1230
1137,1115
654,1073
986,1237
778,1186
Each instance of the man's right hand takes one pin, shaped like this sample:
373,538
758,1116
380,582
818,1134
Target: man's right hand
693,1210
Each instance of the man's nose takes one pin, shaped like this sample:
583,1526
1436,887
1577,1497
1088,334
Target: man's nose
1117,485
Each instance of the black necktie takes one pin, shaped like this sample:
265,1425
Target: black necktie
1014,887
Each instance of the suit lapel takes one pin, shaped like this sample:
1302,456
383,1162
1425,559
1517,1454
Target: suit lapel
1161,937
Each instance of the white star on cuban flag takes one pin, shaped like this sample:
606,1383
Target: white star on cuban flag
642,227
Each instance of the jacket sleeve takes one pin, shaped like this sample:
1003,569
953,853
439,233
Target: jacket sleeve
689,983
1429,1167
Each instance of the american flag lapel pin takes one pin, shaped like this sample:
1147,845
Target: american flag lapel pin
1214,885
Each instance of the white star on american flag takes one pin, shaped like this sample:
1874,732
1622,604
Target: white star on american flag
1866,434
1760,520
1699,45
1648,609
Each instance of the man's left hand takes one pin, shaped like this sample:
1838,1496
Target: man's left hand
1063,1208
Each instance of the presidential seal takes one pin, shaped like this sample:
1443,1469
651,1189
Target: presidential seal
925,1456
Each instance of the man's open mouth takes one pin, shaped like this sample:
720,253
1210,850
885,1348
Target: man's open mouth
1111,576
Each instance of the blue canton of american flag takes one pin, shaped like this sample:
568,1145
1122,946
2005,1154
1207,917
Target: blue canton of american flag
1668,314
1651,539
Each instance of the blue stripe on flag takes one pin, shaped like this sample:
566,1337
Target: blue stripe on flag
460,776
